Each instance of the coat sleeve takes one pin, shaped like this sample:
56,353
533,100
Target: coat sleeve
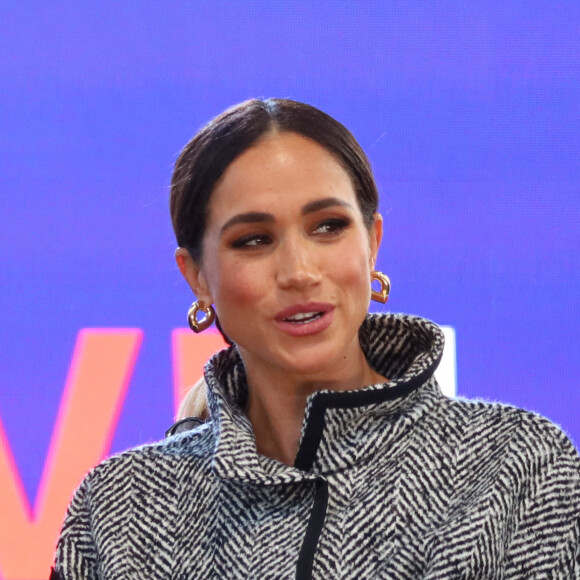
76,555
546,540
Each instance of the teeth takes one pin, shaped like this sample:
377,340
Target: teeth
302,317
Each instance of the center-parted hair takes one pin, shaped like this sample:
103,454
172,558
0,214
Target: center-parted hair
207,156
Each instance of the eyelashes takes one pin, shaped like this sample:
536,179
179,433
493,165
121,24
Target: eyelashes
326,229
332,226
251,241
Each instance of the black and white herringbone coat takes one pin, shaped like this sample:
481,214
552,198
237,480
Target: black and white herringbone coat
391,481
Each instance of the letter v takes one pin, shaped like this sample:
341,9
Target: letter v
99,374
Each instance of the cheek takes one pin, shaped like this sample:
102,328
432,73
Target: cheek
353,269
239,285
357,277
239,295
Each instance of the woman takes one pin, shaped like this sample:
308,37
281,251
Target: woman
329,451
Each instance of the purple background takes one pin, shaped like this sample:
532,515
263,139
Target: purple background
470,113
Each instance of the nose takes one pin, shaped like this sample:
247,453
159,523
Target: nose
297,265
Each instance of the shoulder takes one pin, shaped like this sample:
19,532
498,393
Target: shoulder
495,433
147,483
507,420
184,455
133,481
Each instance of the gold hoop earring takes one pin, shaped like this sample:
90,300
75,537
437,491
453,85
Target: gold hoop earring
207,320
381,295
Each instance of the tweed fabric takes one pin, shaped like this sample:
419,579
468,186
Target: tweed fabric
391,481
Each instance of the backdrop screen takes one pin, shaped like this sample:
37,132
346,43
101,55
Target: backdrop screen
469,112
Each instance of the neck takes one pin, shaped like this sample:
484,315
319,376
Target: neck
277,402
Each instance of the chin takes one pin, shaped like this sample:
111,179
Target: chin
313,361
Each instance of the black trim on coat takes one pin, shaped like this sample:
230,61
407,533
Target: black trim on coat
309,447
342,400
313,531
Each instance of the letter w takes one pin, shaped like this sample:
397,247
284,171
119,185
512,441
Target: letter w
99,374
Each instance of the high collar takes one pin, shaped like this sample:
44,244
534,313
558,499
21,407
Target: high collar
340,429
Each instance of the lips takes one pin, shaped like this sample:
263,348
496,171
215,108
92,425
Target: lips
305,319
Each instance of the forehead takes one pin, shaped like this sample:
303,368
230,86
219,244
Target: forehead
281,170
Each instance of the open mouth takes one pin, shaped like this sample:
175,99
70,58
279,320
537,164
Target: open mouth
303,317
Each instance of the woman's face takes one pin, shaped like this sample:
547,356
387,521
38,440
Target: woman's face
287,258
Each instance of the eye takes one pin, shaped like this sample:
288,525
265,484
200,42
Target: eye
251,241
332,226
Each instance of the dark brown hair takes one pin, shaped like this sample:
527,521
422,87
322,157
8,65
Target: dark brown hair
206,157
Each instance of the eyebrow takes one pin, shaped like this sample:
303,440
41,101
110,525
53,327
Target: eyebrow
319,204
250,217
256,217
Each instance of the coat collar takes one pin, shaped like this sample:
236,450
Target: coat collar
340,428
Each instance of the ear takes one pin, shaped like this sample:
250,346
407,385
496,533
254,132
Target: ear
193,274
376,236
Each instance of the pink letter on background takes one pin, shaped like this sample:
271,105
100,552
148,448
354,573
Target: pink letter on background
190,353
99,374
